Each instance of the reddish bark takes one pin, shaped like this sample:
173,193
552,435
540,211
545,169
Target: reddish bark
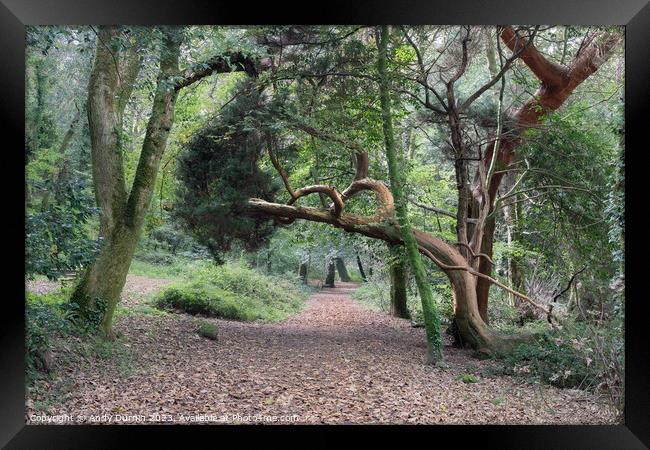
557,84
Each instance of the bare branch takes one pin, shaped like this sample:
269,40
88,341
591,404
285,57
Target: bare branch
499,75
432,208
278,167
475,255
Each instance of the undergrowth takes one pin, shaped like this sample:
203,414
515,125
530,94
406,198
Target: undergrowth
233,291
376,295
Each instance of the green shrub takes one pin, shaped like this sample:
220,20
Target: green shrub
209,330
551,358
56,237
468,378
232,291
45,316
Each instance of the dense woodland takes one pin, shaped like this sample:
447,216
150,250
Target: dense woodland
468,180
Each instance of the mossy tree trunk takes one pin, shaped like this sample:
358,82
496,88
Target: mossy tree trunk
330,273
303,269
361,271
342,270
431,317
397,271
122,212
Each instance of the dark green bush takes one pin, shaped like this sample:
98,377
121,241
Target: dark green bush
218,172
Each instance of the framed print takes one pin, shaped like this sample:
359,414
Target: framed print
408,215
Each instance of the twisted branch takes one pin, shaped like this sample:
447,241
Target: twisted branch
384,197
335,210
446,267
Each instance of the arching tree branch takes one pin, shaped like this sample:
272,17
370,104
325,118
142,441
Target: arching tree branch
236,62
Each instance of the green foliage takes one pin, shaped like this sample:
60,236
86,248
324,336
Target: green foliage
56,238
89,319
169,240
577,356
53,315
208,330
45,316
585,157
232,291
548,360
155,258
376,295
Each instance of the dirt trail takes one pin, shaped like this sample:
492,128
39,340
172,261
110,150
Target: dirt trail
335,362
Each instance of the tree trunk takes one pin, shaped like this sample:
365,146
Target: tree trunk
340,267
269,261
302,271
59,176
431,318
397,273
122,215
99,289
331,272
557,84
361,271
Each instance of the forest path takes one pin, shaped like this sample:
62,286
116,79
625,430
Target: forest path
335,362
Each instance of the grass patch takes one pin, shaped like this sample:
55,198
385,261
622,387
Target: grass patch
468,378
174,268
233,291
141,309
498,401
208,330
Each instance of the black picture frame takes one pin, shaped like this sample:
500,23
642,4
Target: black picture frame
634,14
